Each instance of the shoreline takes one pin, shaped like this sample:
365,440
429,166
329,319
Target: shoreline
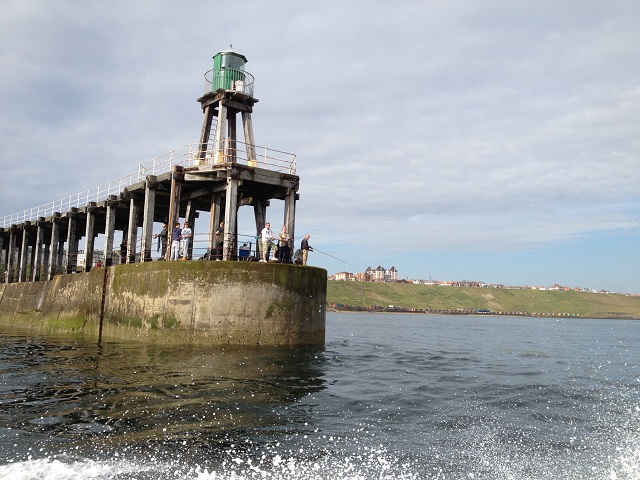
347,309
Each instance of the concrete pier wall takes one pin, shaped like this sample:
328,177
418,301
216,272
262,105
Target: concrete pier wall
189,302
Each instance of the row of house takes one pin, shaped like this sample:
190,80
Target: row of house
378,274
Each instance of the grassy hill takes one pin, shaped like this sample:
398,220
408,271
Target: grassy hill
406,295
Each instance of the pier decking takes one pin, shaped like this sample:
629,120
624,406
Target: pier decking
44,241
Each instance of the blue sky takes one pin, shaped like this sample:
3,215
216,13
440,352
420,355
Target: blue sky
495,141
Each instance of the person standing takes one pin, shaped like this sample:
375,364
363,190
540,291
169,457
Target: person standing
267,242
175,242
284,251
219,241
162,240
304,246
185,238
123,251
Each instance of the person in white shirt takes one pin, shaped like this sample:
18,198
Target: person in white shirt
185,238
267,242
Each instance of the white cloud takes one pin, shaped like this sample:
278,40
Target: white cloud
494,124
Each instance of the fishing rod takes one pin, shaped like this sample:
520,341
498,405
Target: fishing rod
340,260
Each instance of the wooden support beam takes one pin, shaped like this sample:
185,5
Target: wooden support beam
260,214
190,218
233,105
2,255
109,230
205,133
215,214
24,252
32,254
204,192
72,244
221,130
290,213
174,203
61,241
230,218
11,254
147,222
232,154
36,270
44,268
132,231
248,139
55,244
89,237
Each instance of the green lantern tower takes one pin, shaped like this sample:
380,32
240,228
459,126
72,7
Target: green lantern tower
230,94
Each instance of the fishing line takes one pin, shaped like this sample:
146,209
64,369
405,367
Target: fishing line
340,260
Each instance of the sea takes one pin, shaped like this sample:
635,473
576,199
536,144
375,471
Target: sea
389,396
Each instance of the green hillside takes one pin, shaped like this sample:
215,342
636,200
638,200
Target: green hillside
410,296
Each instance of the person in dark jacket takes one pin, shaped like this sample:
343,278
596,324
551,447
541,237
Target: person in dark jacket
162,240
284,250
123,251
304,246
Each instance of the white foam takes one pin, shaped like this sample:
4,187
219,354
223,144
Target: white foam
54,469
372,464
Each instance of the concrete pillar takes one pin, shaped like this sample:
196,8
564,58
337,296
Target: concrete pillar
147,222
89,237
36,269
109,229
55,244
72,243
132,232
230,218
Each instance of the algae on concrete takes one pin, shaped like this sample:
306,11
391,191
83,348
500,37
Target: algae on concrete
180,302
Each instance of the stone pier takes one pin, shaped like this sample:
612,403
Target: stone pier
204,303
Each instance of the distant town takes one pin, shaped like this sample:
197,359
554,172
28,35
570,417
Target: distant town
381,274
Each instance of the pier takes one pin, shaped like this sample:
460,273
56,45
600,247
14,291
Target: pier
219,175
49,253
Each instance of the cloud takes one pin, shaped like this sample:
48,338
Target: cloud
487,125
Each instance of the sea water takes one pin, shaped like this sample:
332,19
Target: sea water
389,396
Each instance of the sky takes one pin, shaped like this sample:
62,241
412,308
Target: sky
493,141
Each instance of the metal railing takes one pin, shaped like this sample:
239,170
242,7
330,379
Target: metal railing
251,155
187,155
228,79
